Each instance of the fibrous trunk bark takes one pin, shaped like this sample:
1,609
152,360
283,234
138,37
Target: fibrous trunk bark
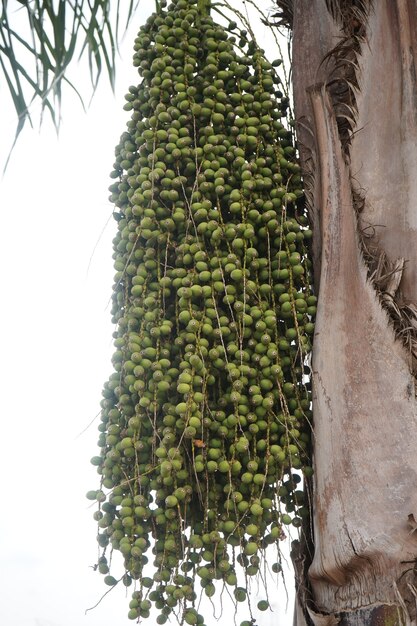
355,93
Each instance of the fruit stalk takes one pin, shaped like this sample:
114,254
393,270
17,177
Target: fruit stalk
204,7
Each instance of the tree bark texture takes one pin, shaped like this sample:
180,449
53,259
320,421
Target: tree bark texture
355,95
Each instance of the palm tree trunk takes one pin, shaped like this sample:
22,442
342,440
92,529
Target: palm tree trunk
355,91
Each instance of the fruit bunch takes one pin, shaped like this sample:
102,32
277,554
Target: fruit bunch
205,420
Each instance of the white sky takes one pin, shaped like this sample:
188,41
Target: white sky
56,350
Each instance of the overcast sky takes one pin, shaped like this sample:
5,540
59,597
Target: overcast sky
56,277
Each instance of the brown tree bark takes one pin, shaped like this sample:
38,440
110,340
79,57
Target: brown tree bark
355,93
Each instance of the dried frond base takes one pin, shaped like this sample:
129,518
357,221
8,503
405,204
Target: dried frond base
386,275
284,15
350,14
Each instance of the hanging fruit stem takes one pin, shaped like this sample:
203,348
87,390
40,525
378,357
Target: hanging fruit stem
203,7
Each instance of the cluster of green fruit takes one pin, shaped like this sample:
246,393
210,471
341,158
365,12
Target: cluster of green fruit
206,415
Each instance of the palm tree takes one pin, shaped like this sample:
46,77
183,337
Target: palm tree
355,94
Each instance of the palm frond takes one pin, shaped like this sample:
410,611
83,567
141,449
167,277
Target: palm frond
40,39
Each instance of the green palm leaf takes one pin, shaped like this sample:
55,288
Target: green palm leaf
39,39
